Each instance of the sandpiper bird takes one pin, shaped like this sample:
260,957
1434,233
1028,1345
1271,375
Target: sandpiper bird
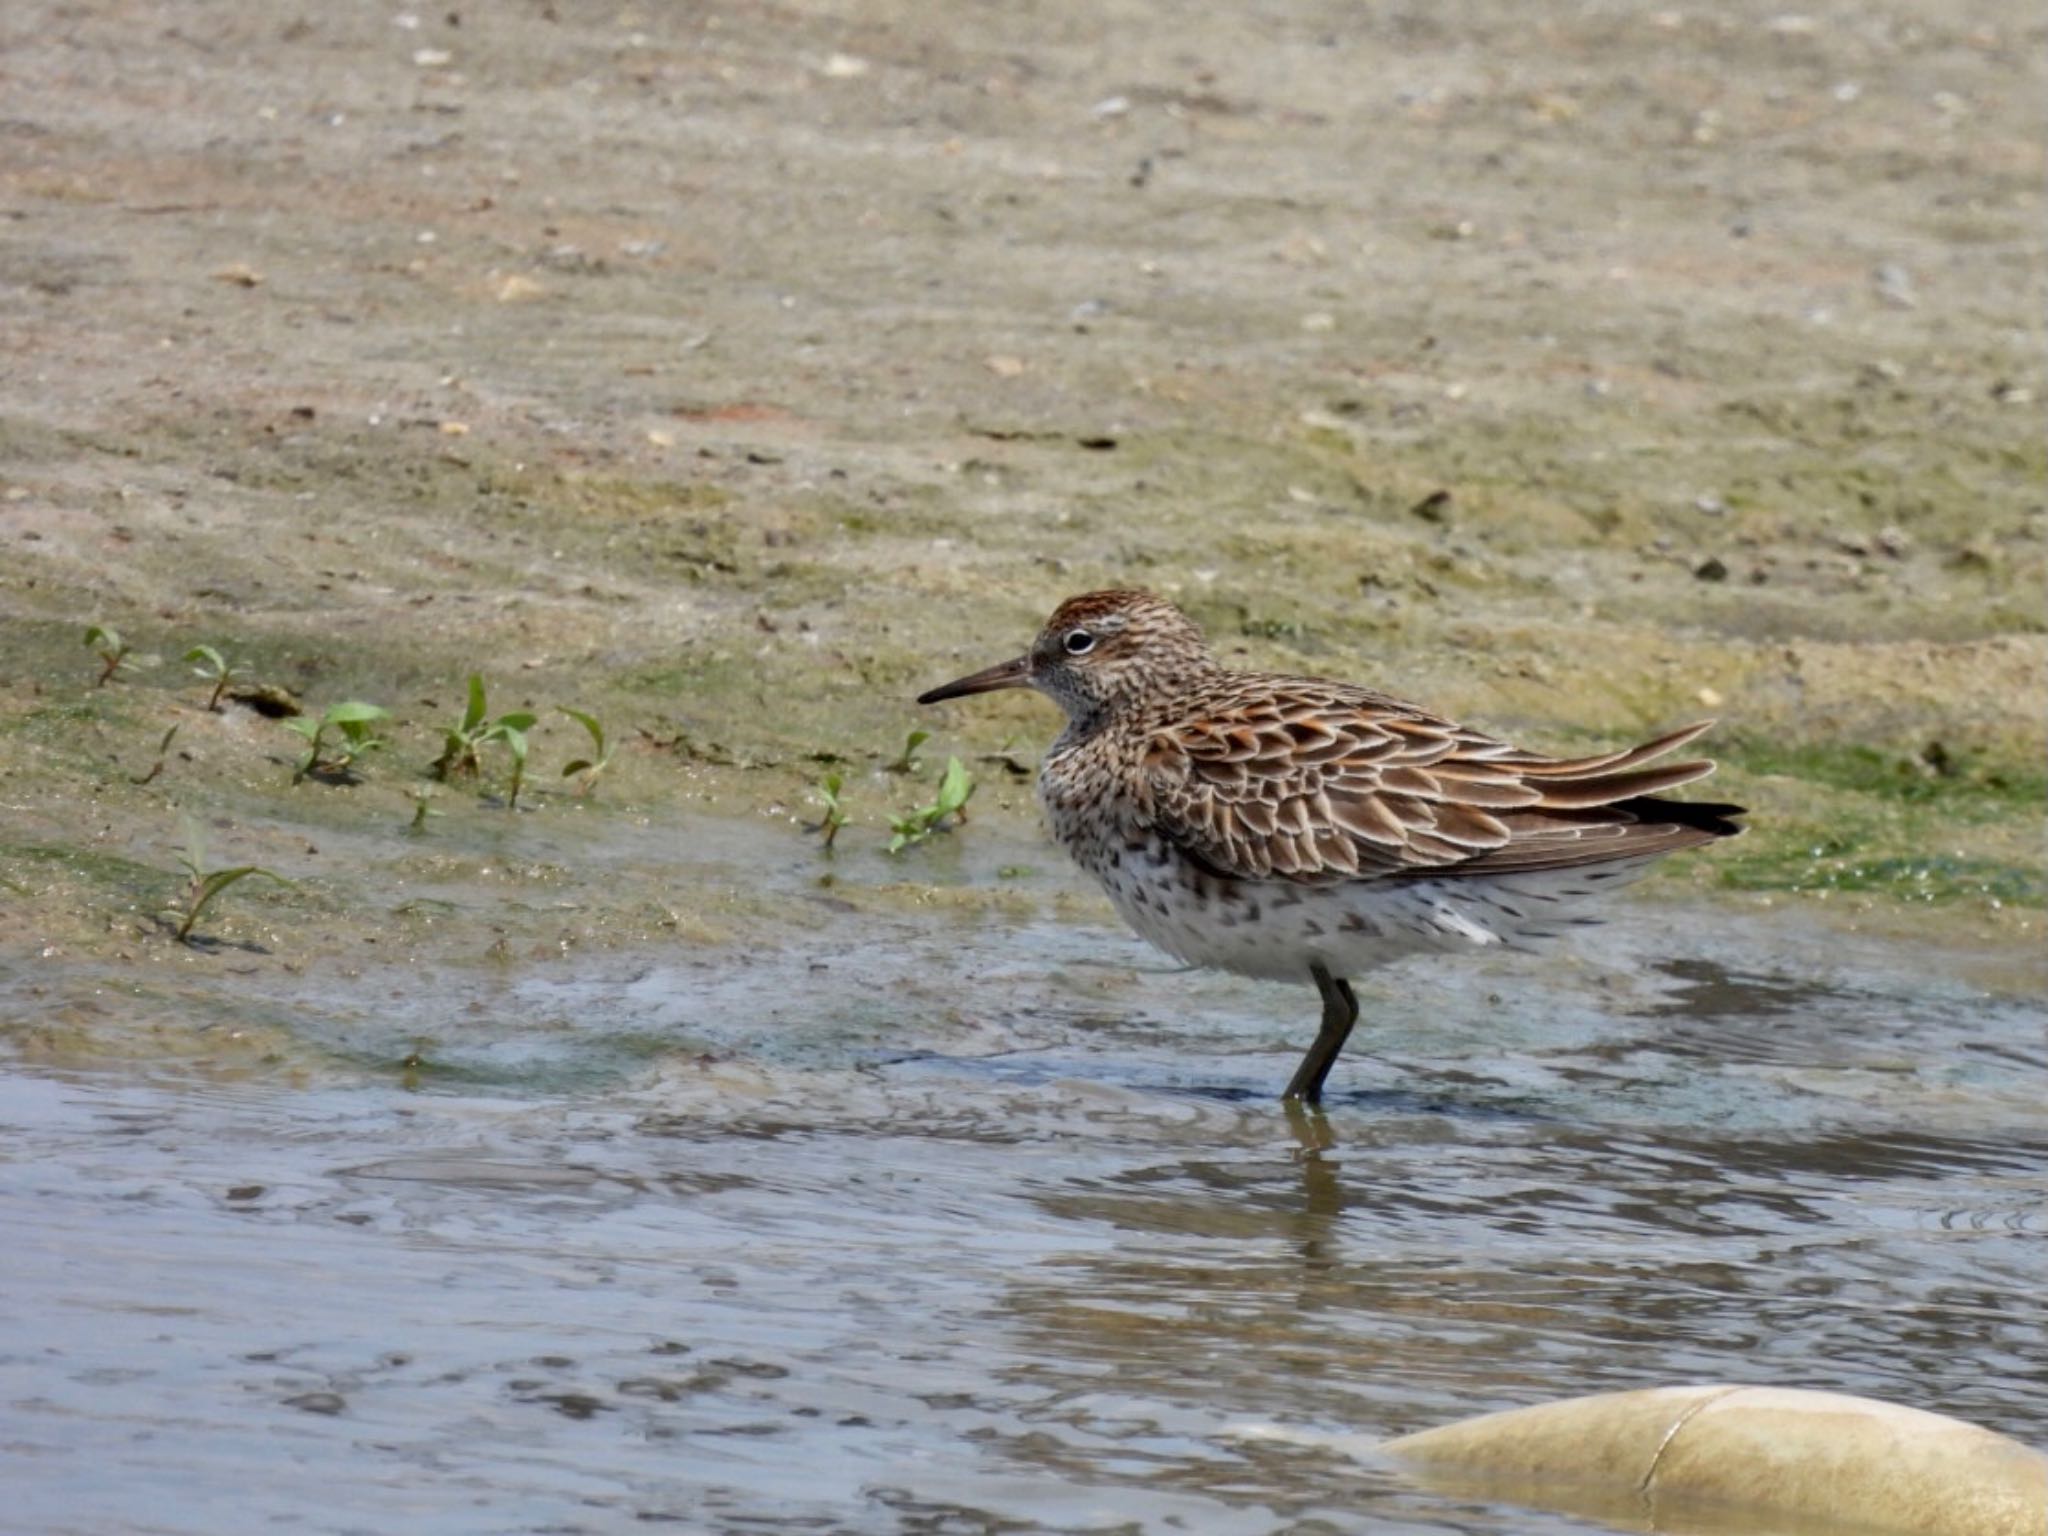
1302,830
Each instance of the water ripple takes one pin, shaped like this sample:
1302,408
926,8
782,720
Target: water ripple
1009,1245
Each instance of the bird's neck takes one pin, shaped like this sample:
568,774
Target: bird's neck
1135,697
1084,723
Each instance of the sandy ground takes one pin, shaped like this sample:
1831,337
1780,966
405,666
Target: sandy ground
734,371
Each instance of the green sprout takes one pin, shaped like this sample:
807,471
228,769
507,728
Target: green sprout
351,721
955,789
203,884
511,730
422,808
906,760
601,755
835,811
163,751
112,649
216,669
462,746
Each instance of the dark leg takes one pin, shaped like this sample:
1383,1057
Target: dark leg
1340,1012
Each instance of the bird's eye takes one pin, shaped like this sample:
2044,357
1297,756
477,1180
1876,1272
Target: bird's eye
1079,642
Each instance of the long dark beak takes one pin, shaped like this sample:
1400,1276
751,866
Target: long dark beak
1008,674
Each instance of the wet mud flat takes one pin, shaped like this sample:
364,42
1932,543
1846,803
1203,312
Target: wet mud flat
734,374
990,1224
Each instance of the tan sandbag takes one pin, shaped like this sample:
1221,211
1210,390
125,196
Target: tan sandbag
1712,1458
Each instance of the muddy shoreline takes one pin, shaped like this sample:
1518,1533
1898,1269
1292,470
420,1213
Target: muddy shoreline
731,377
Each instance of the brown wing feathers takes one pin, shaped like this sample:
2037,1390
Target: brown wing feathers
1577,783
1316,783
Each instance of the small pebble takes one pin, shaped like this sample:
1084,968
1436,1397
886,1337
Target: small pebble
1434,507
1895,286
516,289
1711,569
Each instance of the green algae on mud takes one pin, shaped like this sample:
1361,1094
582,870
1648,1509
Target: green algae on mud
1839,863
1916,826
1931,776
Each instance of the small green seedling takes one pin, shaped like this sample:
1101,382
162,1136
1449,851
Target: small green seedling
906,760
216,669
835,812
511,730
421,808
163,751
351,721
112,649
956,787
462,746
601,755
203,884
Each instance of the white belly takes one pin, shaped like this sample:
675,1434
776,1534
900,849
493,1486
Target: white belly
1277,929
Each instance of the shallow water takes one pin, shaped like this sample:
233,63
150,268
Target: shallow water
947,1216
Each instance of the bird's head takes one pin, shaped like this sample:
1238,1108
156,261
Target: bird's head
1098,654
